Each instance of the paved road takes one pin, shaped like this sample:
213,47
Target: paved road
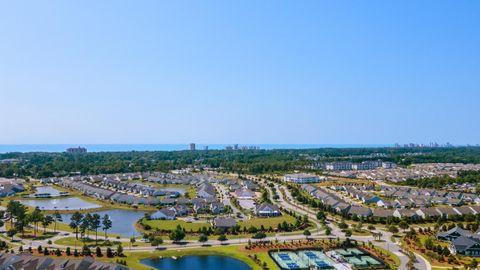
386,243
287,202
222,190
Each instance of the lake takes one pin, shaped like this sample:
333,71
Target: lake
197,263
72,203
47,189
123,221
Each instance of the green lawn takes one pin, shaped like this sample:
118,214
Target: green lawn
172,224
267,222
70,241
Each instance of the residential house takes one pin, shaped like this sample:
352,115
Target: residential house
164,214
267,210
224,222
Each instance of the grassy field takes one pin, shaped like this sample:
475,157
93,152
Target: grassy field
133,258
267,222
70,241
172,224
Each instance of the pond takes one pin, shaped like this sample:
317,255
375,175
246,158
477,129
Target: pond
61,204
197,263
123,221
47,190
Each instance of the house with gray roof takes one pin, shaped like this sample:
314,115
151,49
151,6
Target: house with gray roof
224,222
382,213
26,261
360,211
428,213
468,246
453,234
164,214
267,210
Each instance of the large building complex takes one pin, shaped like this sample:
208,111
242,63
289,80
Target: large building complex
301,178
362,166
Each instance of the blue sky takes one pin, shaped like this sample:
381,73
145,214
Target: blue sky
344,72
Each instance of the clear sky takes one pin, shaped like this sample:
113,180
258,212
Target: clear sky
343,72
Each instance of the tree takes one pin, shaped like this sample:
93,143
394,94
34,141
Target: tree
35,217
348,233
132,241
86,251
429,243
393,229
11,233
106,224
98,252
21,217
156,241
119,250
109,252
57,218
177,235
75,222
259,235
474,264
85,225
320,216
47,220
203,238
403,225
222,238
95,225
307,233
11,208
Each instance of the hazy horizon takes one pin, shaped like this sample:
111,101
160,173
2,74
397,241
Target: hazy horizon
310,72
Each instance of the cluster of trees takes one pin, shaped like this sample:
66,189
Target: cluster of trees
86,251
20,218
250,161
89,222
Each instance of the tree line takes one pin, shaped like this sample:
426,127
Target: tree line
41,165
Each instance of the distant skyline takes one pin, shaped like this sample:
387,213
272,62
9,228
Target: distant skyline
252,72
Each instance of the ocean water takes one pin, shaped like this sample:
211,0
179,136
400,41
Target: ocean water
8,148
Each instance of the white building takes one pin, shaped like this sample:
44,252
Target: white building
302,178
338,166
389,165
